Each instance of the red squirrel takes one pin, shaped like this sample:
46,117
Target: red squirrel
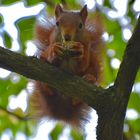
72,44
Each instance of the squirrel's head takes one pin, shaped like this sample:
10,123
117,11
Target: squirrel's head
69,23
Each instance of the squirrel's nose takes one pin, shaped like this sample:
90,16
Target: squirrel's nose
67,37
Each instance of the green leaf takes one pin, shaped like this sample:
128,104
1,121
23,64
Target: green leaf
7,88
25,27
33,2
107,3
76,135
138,77
56,132
7,2
131,2
1,19
108,72
135,126
7,40
8,121
31,127
134,102
73,4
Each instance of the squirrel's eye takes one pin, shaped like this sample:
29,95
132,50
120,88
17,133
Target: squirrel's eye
80,25
57,23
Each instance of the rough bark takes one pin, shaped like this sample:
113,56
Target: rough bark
67,83
110,103
111,116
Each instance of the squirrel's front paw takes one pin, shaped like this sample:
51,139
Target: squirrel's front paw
77,50
57,49
57,53
52,54
90,78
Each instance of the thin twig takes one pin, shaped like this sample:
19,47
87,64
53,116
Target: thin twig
13,114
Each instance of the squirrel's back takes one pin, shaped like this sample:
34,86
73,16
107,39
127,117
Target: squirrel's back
72,44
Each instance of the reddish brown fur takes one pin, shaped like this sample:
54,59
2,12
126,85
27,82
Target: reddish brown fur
88,44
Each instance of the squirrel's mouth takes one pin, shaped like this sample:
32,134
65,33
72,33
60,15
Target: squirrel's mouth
67,37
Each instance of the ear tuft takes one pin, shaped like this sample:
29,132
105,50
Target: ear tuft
84,13
58,10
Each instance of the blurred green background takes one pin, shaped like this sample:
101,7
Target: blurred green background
17,19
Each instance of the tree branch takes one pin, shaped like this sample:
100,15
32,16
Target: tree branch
112,115
68,84
130,65
14,115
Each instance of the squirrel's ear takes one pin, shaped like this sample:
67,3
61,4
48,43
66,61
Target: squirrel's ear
58,10
84,13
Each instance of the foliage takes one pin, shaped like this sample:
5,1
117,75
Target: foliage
115,45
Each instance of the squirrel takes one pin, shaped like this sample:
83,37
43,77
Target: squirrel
73,44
